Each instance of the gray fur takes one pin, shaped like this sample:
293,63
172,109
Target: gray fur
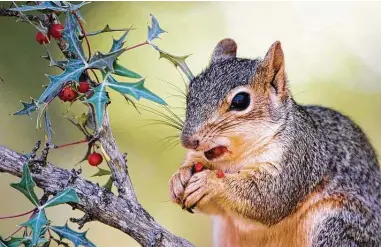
215,82
319,144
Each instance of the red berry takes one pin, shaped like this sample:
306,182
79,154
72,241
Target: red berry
69,94
61,96
56,31
198,167
42,38
83,87
220,174
95,159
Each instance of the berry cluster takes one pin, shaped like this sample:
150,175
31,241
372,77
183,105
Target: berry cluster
55,31
70,93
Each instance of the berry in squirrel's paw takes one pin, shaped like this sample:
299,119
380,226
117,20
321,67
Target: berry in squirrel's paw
198,167
220,174
95,159
83,87
42,38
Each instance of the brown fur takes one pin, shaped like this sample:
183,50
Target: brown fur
293,231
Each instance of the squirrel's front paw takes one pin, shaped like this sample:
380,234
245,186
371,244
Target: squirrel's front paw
201,188
178,182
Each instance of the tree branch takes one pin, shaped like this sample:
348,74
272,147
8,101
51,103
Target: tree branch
122,212
7,12
117,162
97,202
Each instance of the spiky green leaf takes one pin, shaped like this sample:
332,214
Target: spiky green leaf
117,44
15,242
98,102
123,71
51,6
177,61
52,63
137,89
154,30
77,238
103,61
48,5
26,185
70,35
27,108
68,195
107,29
109,184
37,224
101,172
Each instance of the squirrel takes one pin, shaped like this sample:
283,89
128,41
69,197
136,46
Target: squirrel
295,175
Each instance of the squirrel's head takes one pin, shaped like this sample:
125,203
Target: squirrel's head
235,104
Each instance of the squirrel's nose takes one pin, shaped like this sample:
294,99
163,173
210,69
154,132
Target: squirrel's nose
190,142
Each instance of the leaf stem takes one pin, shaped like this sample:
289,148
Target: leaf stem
17,215
136,46
71,144
83,32
95,75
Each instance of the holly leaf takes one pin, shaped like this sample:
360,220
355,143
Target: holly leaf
137,90
27,108
70,35
41,242
36,224
14,242
122,71
68,195
52,63
177,61
77,238
88,152
26,185
102,61
101,172
117,44
73,71
98,102
48,127
107,29
154,30
48,5
109,184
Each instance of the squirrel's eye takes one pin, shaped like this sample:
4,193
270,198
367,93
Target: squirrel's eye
240,102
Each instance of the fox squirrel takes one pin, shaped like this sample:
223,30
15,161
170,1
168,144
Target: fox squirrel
295,175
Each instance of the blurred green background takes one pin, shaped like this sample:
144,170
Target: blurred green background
333,58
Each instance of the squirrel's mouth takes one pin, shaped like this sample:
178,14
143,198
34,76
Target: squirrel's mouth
215,152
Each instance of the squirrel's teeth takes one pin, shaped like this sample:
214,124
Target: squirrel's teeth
215,152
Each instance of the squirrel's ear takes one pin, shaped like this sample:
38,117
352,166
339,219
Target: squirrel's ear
273,64
225,49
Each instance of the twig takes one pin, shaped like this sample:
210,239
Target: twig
71,144
136,46
17,215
